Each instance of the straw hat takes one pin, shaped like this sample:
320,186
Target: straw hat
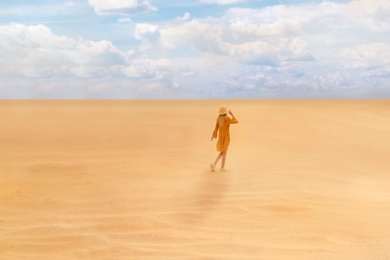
222,110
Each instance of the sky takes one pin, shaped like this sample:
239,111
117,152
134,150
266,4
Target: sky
194,49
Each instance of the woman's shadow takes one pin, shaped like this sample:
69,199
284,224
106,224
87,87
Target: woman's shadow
206,196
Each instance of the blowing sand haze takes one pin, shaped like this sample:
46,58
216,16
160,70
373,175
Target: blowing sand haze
131,180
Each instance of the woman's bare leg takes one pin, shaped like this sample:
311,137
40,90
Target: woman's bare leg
223,160
212,166
218,157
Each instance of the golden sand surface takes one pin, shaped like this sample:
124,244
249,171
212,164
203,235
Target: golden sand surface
306,179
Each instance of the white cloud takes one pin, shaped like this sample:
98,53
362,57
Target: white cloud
145,31
17,35
367,55
372,15
125,20
186,16
318,17
36,52
158,70
104,7
373,7
338,49
251,30
295,49
236,45
283,13
223,2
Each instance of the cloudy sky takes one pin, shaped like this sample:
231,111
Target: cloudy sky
208,49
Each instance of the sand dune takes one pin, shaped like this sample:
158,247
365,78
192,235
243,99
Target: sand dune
130,180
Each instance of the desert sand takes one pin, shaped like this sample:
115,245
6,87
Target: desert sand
306,179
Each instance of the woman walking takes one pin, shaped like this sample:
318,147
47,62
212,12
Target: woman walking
222,124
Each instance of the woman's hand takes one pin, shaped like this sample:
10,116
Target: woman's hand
231,113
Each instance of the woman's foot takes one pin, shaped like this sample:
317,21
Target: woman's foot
212,167
223,170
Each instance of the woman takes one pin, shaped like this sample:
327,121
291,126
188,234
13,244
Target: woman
223,123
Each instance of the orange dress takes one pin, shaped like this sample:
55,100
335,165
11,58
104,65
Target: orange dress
223,133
